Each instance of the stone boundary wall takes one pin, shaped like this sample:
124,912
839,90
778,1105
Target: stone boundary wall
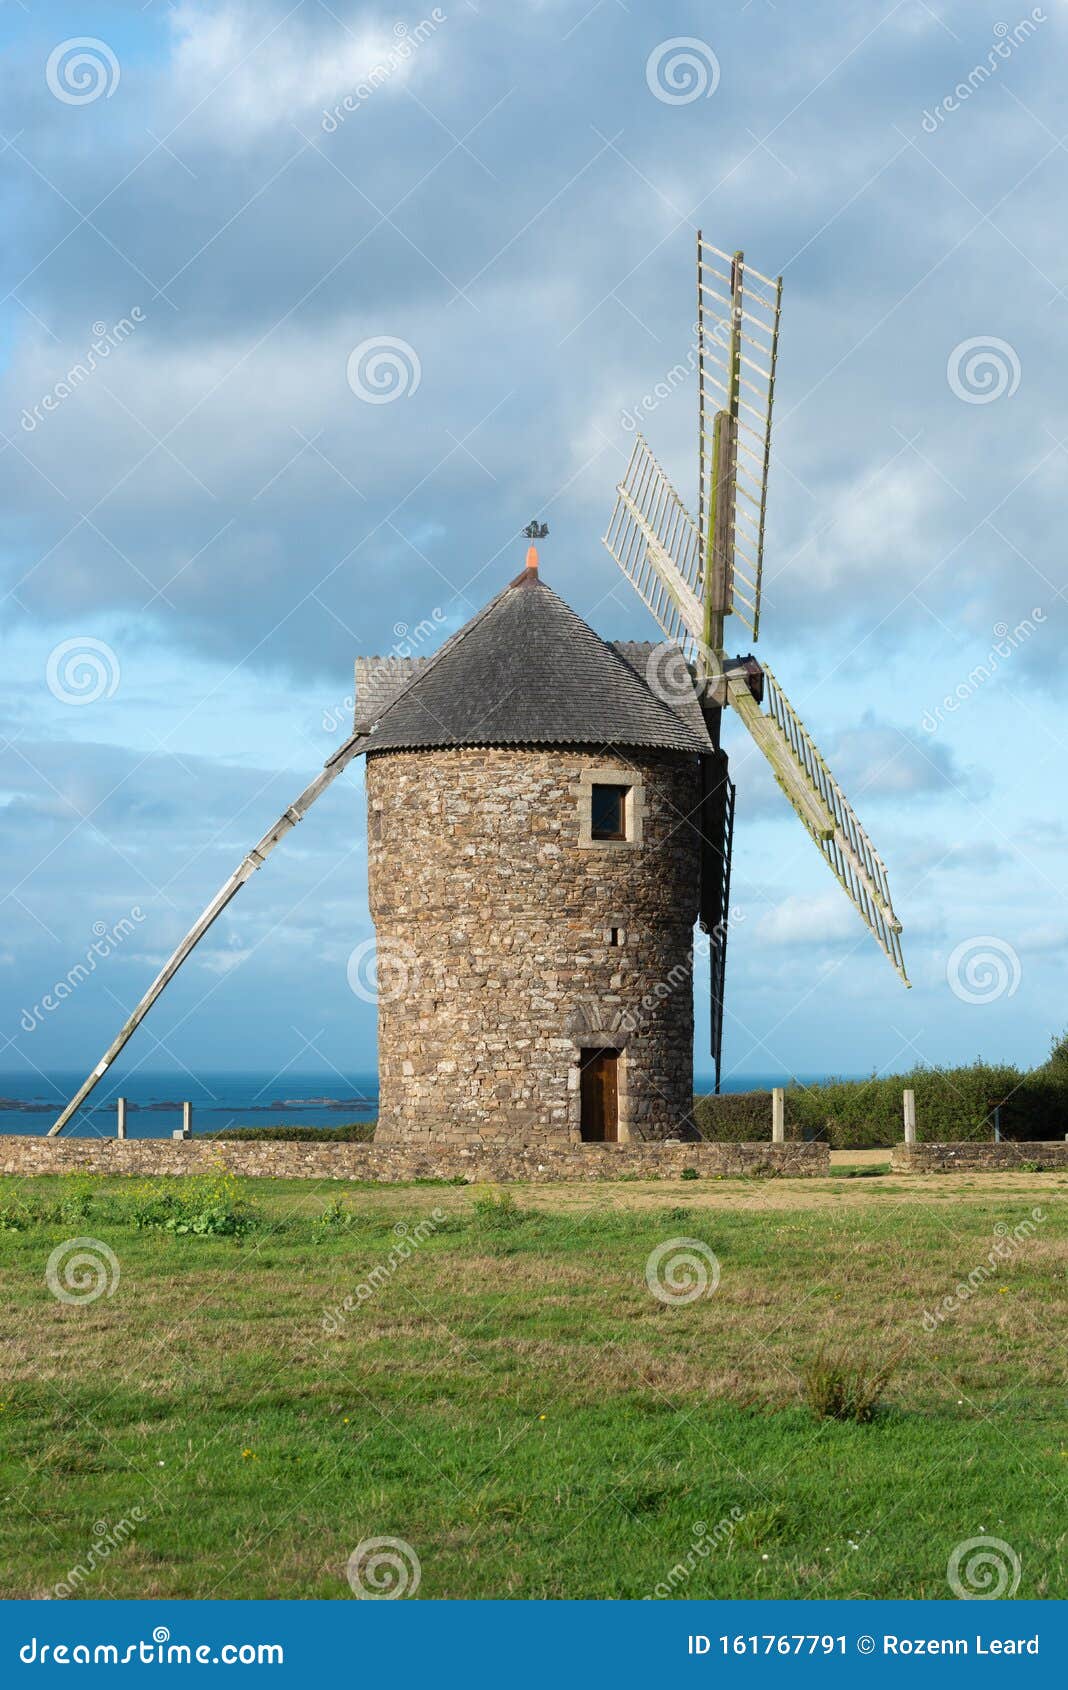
976,1158
150,1157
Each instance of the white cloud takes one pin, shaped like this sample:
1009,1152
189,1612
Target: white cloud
877,523
253,72
808,921
878,759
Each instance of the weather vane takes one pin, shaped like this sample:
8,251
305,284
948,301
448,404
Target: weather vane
536,530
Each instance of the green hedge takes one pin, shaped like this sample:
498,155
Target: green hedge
740,1117
951,1104
356,1132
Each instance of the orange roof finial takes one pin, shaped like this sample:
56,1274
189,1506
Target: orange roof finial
534,531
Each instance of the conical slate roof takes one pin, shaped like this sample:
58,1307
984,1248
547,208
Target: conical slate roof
528,671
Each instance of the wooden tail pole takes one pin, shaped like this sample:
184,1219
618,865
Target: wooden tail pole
120,1117
255,859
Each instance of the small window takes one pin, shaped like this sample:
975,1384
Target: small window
608,812
615,935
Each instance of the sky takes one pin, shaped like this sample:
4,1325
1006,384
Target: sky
355,294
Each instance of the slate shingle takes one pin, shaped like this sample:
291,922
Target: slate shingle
526,670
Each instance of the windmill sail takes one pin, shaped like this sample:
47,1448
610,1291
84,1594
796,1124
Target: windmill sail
244,871
692,575
737,348
656,543
823,807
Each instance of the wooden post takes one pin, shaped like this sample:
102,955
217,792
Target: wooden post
908,1099
778,1115
187,1120
120,1117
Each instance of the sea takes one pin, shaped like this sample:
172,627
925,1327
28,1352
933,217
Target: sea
30,1103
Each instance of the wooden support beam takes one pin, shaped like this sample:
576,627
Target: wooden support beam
187,1120
120,1117
719,543
778,1115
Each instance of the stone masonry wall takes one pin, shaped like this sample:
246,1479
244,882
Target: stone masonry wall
976,1158
151,1157
493,919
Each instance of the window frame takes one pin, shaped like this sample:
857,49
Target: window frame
610,774
623,801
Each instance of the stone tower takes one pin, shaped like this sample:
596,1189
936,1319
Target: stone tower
534,864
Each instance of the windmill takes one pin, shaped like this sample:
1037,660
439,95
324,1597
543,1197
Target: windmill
579,694
692,575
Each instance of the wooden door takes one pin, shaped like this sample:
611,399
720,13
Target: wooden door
599,1093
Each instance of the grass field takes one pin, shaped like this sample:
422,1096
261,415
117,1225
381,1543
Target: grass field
506,1395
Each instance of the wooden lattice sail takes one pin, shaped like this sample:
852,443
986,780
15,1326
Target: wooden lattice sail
692,575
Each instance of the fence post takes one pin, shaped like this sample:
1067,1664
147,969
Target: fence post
120,1117
778,1115
908,1099
187,1120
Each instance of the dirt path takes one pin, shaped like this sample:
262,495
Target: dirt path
1018,1190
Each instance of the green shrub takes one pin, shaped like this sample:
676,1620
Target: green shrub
740,1117
837,1389
336,1217
353,1132
207,1205
1055,1068
16,1215
689,1173
952,1104
498,1210
19,1213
